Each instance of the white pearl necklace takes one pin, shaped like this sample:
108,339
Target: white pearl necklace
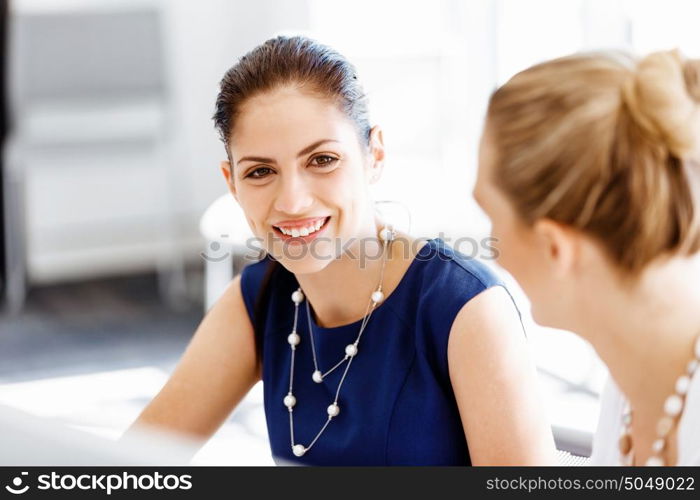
387,235
673,408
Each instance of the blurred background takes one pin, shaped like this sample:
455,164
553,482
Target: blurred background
117,230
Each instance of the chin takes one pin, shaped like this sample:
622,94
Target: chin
305,265
304,258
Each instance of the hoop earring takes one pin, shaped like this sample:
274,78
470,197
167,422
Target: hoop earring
391,220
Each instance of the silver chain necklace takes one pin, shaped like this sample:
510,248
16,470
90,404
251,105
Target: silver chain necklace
387,235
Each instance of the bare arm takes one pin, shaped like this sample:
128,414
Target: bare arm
217,369
495,385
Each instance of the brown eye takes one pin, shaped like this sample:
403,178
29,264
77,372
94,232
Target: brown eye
259,173
323,160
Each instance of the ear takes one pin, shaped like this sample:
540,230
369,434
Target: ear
227,171
560,245
376,153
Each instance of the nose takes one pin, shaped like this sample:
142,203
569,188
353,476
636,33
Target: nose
294,195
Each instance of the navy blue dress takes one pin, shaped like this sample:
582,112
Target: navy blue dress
397,406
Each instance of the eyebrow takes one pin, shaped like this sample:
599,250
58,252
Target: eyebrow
305,151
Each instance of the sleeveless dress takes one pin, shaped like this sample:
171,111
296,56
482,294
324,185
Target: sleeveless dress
397,406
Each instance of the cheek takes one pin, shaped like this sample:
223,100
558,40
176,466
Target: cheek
520,258
514,253
503,244
347,192
254,203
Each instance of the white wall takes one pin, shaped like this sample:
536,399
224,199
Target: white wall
97,205
207,38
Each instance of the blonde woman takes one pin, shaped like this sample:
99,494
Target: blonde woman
589,166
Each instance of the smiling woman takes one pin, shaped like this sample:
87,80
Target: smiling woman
374,347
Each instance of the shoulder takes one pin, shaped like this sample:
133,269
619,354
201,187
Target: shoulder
465,266
443,283
253,279
449,279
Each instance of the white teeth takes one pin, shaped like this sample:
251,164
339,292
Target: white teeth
302,231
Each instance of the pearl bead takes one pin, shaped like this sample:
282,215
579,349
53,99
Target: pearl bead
297,297
673,405
664,426
351,349
658,445
298,450
294,338
692,366
386,234
333,410
654,462
682,384
290,400
627,418
317,377
377,297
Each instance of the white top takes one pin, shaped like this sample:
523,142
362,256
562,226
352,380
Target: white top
605,442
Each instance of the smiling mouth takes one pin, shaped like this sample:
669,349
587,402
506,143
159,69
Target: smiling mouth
302,231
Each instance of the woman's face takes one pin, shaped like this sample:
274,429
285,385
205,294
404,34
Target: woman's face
301,176
520,250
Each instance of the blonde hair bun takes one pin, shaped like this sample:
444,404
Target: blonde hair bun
663,97
607,144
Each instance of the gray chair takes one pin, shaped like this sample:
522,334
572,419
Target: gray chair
89,100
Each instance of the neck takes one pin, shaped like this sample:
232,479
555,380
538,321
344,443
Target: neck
341,291
645,333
